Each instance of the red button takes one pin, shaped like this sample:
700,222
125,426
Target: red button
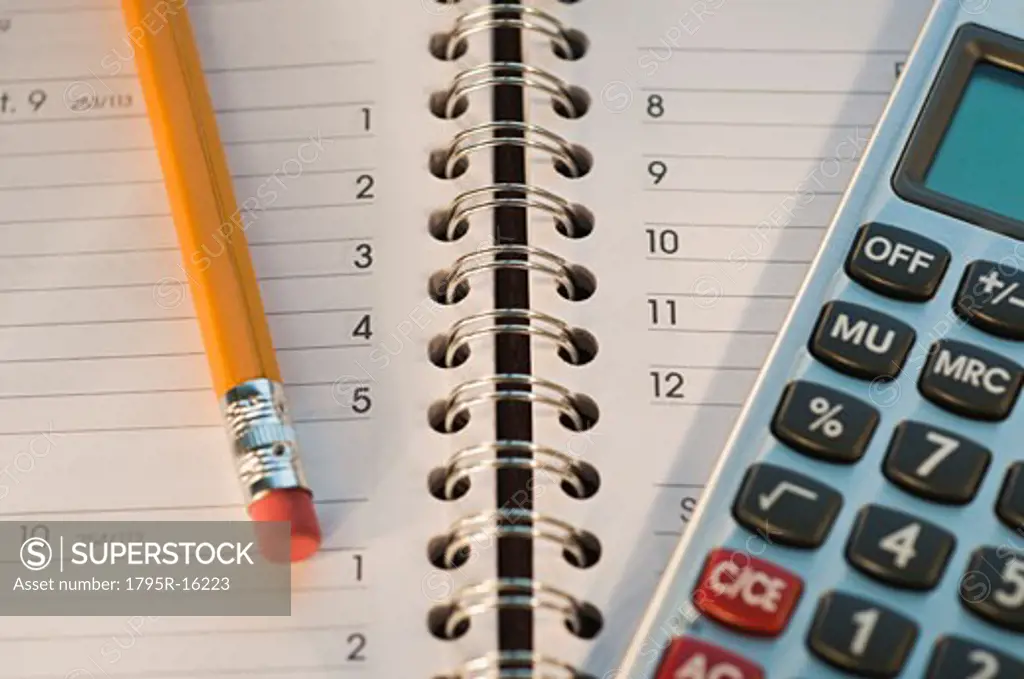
746,593
688,658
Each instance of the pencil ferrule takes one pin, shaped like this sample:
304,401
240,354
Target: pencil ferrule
265,447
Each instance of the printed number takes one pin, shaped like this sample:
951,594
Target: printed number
946,446
865,622
1013,575
668,385
361,401
362,328
688,505
357,642
659,317
358,558
37,530
366,119
365,184
364,260
901,544
655,106
658,170
663,241
36,99
988,665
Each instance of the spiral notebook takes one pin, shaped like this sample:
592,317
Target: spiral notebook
521,262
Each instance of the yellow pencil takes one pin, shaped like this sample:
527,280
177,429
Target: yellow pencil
223,284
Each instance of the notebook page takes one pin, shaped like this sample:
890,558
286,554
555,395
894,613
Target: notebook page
723,134
107,410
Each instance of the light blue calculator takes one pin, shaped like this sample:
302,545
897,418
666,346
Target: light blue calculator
867,516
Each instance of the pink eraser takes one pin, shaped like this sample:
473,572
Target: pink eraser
295,506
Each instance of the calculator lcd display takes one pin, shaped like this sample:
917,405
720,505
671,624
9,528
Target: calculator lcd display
980,159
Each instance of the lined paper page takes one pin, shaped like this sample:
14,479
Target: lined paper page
107,410
723,135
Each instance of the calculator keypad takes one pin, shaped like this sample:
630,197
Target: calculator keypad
897,263
993,587
970,381
899,549
860,636
824,423
1011,499
861,342
957,658
991,298
935,464
786,507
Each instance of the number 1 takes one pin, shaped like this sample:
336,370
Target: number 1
865,622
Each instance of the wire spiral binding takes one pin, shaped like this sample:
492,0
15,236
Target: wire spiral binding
450,619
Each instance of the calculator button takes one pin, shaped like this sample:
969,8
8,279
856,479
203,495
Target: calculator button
861,342
897,263
824,423
970,381
991,298
687,657
957,658
899,549
993,587
786,507
1011,499
745,593
935,464
861,637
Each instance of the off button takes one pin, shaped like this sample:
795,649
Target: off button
897,263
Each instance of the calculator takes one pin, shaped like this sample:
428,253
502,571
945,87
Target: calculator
867,516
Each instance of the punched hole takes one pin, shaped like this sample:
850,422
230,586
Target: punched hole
588,411
437,481
439,165
439,106
438,284
439,47
584,284
438,226
581,157
586,347
591,550
580,102
436,549
589,479
438,413
437,623
590,622
437,350
582,223
578,45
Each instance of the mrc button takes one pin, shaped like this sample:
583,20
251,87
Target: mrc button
897,263
991,298
861,342
746,593
970,381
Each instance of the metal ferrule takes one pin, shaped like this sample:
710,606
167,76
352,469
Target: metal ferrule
266,450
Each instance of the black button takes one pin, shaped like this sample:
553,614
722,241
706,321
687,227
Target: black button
897,263
993,587
860,636
824,423
1011,499
786,507
991,297
957,658
899,549
970,381
861,342
935,464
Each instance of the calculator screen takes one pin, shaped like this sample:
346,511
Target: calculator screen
980,158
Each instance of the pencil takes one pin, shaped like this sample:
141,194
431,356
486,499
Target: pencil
221,279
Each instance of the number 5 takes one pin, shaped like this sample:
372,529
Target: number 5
1013,574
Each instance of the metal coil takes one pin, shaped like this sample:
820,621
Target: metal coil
511,388
511,593
474,459
525,322
514,665
487,259
508,73
485,198
523,17
484,136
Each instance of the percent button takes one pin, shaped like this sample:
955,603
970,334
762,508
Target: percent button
824,423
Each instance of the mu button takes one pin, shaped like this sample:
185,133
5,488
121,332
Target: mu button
747,594
861,342
970,381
